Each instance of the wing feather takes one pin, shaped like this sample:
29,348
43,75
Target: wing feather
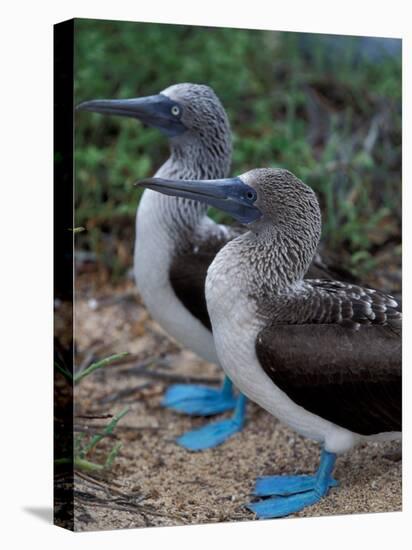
335,350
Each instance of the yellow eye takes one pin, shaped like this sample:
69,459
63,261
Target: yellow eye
175,110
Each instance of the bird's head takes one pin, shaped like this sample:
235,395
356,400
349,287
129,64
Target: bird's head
200,110
177,110
283,200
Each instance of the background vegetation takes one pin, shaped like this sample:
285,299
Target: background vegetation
326,107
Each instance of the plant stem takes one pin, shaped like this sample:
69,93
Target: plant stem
107,431
98,365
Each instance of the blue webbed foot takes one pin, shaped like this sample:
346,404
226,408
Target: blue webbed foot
287,485
293,493
215,433
198,400
278,507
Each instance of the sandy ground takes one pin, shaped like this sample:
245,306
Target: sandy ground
154,482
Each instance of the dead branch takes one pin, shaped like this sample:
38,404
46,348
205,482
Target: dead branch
126,392
169,377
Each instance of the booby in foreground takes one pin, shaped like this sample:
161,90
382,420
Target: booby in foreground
176,241
322,356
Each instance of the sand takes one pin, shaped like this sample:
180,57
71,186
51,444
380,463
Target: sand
153,481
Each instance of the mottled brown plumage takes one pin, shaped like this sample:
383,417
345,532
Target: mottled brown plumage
336,351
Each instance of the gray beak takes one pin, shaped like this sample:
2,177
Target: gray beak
155,110
230,195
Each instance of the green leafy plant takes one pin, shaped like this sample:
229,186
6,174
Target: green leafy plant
330,117
83,448
84,444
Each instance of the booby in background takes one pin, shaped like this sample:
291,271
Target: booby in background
176,241
323,356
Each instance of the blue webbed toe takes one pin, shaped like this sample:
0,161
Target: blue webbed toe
209,436
287,485
216,433
278,507
197,400
293,493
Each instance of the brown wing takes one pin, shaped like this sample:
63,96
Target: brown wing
349,376
188,270
187,277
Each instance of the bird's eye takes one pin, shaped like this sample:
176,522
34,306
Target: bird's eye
250,195
175,110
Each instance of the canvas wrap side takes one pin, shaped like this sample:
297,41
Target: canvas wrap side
63,272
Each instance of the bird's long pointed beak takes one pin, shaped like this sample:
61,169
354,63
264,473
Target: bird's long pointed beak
230,195
154,110
138,107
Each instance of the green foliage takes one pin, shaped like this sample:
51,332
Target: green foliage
84,445
327,115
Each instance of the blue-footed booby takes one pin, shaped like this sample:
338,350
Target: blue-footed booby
323,356
176,241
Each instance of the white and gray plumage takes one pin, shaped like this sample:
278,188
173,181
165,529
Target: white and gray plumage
176,240
310,337
322,356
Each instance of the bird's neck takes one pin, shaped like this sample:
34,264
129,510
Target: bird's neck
190,158
176,219
199,157
270,262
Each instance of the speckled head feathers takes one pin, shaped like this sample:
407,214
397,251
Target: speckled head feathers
285,202
201,108
290,226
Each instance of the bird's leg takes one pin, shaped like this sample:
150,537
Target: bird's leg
227,387
293,493
217,432
284,485
199,400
